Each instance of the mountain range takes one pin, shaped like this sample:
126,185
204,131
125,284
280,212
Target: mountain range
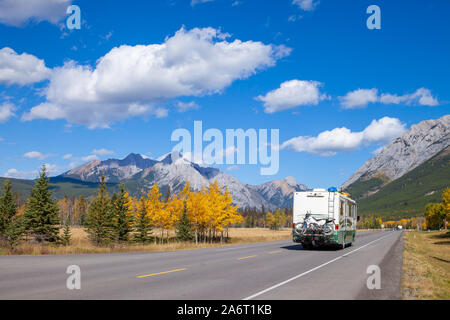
173,171
407,173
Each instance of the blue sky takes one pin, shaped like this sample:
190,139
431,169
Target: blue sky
336,90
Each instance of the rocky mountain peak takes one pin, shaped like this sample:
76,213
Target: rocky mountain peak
417,145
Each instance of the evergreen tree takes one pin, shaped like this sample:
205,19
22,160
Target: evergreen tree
14,231
8,207
99,220
184,228
123,218
41,212
66,234
142,222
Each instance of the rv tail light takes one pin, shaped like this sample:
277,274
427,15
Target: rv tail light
337,227
293,225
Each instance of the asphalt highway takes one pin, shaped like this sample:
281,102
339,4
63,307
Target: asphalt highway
269,271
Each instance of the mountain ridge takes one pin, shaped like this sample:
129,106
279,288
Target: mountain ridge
173,171
417,145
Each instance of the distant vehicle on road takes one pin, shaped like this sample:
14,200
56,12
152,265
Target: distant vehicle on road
324,217
399,228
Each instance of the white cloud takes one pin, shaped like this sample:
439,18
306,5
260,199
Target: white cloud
329,143
383,130
359,98
89,158
21,69
362,97
421,97
307,5
17,174
130,80
102,152
186,106
53,169
291,94
7,111
67,156
19,12
36,155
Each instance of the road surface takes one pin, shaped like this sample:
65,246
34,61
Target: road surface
273,270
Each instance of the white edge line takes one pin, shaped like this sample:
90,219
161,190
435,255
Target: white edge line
309,271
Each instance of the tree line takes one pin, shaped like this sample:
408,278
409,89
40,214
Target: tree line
202,216
437,214
261,218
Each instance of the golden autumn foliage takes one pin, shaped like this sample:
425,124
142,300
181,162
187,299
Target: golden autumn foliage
210,210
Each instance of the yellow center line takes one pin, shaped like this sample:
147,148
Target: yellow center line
273,252
247,257
159,273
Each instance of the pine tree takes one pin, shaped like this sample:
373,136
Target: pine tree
66,234
14,231
123,219
8,207
184,228
41,212
99,220
142,223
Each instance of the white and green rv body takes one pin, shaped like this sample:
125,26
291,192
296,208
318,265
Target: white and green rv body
322,217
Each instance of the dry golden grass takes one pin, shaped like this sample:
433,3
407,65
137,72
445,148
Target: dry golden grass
80,243
426,266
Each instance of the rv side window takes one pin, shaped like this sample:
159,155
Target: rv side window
342,208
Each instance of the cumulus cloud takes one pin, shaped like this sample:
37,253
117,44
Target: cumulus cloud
19,174
359,98
102,152
18,12
421,97
329,143
291,94
131,81
307,5
7,111
21,69
36,155
362,97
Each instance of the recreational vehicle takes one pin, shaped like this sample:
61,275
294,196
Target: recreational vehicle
324,217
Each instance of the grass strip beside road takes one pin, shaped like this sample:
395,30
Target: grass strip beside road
426,266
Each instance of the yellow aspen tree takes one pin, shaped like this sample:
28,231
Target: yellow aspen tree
196,206
173,210
155,208
446,203
270,220
230,214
